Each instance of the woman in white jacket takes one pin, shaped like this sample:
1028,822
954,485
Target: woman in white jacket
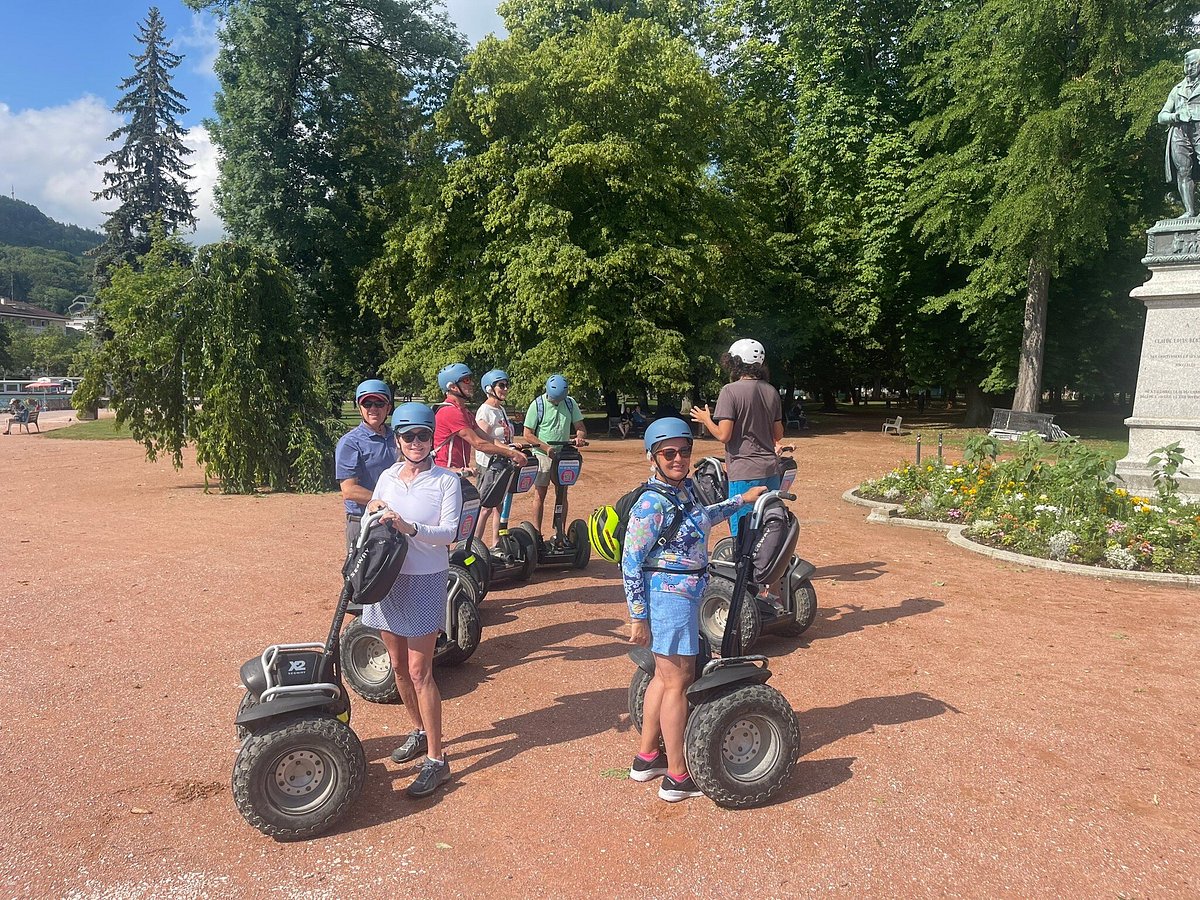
424,502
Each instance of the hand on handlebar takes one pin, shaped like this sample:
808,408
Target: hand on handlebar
781,449
751,494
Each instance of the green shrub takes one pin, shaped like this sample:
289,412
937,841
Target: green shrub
1068,509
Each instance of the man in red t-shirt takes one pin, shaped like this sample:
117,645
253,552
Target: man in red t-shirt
456,434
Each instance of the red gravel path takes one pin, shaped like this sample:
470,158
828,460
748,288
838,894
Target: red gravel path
969,727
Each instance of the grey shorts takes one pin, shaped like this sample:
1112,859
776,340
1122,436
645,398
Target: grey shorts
543,475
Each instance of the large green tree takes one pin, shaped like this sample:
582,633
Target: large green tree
146,175
322,119
577,225
208,351
816,148
1038,153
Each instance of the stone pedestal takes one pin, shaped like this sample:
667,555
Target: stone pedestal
1166,405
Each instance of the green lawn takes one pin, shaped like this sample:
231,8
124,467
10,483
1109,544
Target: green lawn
98,430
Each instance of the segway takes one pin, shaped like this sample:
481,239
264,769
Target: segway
300,765
780,597
569,546
515,556
742,738
365,662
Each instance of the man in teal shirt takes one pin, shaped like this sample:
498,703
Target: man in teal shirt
549,419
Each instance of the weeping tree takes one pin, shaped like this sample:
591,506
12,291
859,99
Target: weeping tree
146,175
206,351
321,120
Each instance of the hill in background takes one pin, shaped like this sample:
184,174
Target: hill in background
42,261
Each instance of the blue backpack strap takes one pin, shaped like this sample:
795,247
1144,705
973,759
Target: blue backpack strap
540,405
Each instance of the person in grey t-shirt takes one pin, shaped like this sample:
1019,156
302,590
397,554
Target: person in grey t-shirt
748,420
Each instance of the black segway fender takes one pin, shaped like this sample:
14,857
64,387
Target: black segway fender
804,570
261,712
643,658
254,679
744,673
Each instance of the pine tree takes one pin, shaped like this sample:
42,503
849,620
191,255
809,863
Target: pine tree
147,174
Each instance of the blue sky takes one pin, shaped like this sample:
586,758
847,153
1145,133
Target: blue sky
60,63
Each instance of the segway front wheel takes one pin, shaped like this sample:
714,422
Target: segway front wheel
297,778
461,638
577,534
528,552
366,666
249,701
723,551
714,613
741,745
804,604
637,696
480,565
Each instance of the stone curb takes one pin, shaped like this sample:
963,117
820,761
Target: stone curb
887,514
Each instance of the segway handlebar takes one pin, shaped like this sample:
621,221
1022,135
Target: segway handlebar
365,526
760,504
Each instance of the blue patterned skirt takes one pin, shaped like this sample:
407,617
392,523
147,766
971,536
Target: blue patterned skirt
414,607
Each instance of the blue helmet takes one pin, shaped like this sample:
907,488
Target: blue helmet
411,415
492,377
452,374
556,387
664,429
372,386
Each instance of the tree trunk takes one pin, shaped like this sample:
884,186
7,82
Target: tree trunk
1033,339
979,411
611,404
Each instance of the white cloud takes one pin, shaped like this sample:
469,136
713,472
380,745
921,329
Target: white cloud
203,161
199,44
48,158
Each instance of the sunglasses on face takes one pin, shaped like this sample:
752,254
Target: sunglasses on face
501,384
670,453
420,435
374,404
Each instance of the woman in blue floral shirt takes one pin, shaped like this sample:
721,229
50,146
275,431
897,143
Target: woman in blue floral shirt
663,584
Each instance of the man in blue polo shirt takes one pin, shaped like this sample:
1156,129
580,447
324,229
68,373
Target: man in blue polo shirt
364,452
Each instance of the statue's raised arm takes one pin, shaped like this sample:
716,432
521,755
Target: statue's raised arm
1182,113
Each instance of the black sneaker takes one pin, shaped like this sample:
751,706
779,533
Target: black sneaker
414,745
673,791
434,772
641,770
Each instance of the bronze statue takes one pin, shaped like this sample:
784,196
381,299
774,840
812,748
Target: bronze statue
1182,113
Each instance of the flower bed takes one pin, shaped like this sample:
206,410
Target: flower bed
1067,508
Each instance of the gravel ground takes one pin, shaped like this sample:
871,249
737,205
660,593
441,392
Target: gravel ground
969,727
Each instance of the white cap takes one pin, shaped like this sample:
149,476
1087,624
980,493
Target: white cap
748,350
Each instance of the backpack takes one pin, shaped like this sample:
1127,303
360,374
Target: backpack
775,544
373,571
496,480
620,512
539,403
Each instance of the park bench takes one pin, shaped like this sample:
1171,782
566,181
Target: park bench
32,420
1009,425
893,426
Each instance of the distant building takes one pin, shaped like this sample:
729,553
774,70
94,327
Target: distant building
79,314
14,312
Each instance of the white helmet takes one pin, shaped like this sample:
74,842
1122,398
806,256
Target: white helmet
748,350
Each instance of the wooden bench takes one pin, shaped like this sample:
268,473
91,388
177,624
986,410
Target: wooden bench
32,420
1009,425
893,426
